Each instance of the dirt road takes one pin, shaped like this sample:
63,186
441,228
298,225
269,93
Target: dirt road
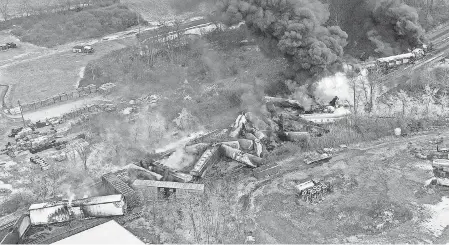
379,197
37,72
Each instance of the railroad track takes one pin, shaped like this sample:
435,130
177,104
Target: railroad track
76,230
7,225
87,225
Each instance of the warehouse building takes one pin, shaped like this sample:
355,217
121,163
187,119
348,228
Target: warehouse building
162,189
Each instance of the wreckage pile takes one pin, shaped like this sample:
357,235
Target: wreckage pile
39,161
248,141
33,140
313,191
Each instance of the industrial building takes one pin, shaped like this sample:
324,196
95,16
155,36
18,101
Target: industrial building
161,189
108,233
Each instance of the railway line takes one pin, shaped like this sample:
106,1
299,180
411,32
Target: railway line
87,224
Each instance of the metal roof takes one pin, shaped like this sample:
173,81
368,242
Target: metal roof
108,233
167,184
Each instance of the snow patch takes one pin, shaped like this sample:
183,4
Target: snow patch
439,217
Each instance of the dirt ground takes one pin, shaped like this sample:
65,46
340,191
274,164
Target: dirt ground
379,197
42,73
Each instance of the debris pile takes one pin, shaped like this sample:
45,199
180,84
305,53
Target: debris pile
39,161
7,46
33,140
247,141
313,191
441,171
107,88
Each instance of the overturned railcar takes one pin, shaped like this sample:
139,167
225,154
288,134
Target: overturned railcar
441,171
113,184
207,159
63,211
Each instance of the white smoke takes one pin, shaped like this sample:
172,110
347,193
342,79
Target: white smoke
329,87
300,94
179,159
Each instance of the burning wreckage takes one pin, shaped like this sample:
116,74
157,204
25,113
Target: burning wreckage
249,140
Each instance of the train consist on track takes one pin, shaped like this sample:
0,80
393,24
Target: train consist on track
385,64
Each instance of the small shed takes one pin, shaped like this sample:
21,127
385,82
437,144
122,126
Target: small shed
161,189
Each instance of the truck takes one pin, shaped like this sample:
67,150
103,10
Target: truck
83,49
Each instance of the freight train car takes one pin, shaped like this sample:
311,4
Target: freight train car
65,210
113,184
207,159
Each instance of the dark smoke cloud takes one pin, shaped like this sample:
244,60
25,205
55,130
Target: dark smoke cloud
396,27
382,27
292,28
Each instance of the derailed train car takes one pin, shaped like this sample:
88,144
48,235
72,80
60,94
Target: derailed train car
63,211
441,171
17,231
208,158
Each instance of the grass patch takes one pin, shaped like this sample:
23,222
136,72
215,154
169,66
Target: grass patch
49,30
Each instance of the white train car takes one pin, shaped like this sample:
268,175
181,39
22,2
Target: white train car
63,211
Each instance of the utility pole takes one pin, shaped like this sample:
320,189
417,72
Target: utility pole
21,113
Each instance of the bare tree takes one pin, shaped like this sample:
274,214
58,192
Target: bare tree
4,9
354,82
405,100
54,176
25,7
428,96
444,101
83,152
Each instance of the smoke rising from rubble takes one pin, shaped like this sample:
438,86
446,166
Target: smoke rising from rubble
293,28
300,94
179,159
329,87
253,98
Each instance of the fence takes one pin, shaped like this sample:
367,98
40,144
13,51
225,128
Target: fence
78,93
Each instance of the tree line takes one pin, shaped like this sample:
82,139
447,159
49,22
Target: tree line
10,9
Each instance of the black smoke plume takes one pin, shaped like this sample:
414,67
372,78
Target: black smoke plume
293,28
377,27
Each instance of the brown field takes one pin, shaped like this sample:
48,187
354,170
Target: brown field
156,10
369,184
43,75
